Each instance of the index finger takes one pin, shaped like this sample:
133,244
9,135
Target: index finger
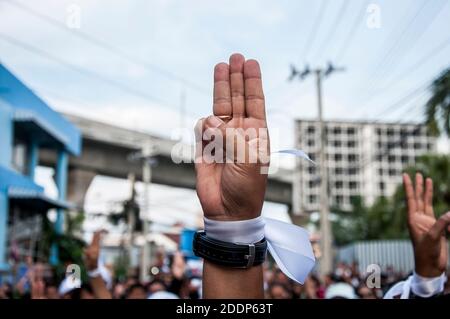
96,238
222,95
419,193
428,197
254,96
409,190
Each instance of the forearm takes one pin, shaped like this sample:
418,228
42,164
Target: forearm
99,288
221,283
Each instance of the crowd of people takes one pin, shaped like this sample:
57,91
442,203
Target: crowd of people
175,280
173,276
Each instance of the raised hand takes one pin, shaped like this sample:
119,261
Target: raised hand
427,233
234,190
91,253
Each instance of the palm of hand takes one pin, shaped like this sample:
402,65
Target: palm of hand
430,255
235,190
421,226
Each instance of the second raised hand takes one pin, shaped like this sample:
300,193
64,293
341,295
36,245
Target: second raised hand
427,233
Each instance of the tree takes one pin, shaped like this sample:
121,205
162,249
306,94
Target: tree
366,222
437,108
437,167
68,244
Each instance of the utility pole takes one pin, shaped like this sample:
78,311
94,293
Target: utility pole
130,215
146,155
325,227
326,239
146,178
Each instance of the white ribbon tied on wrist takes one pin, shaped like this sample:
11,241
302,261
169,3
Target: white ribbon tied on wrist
288,244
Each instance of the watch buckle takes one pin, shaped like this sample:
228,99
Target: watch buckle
251,255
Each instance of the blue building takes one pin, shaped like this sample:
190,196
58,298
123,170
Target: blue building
28,124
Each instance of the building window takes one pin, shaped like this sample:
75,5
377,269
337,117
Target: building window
351,144
353,185
312,199
339,199
338,170
392,172
311,129
312,170
404,132
352,158
19,160
311,143
338,184
381,186
337,157
337,130
351,131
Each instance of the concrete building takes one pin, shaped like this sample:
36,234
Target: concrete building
28,125
363,158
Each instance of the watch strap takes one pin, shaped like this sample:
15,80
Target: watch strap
234,255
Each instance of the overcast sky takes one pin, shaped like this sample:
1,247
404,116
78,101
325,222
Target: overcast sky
389,49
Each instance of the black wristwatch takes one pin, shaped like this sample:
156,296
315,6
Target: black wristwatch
234,255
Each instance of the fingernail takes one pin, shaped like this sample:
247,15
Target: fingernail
215,121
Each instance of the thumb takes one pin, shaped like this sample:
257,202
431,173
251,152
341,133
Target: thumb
214,122
214,139
438,229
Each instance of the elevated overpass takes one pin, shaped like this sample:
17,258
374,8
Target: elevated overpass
106,151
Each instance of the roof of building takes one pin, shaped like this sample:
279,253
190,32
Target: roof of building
32,112
360,122
22,189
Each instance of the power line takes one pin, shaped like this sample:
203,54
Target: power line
334,27
83,71
388,57
105,45
352,32
407,98
315,28
415,66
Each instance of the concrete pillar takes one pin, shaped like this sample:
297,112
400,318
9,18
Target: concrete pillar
32,158
6,135
79,182
62,164
6,146
4,212
61,183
